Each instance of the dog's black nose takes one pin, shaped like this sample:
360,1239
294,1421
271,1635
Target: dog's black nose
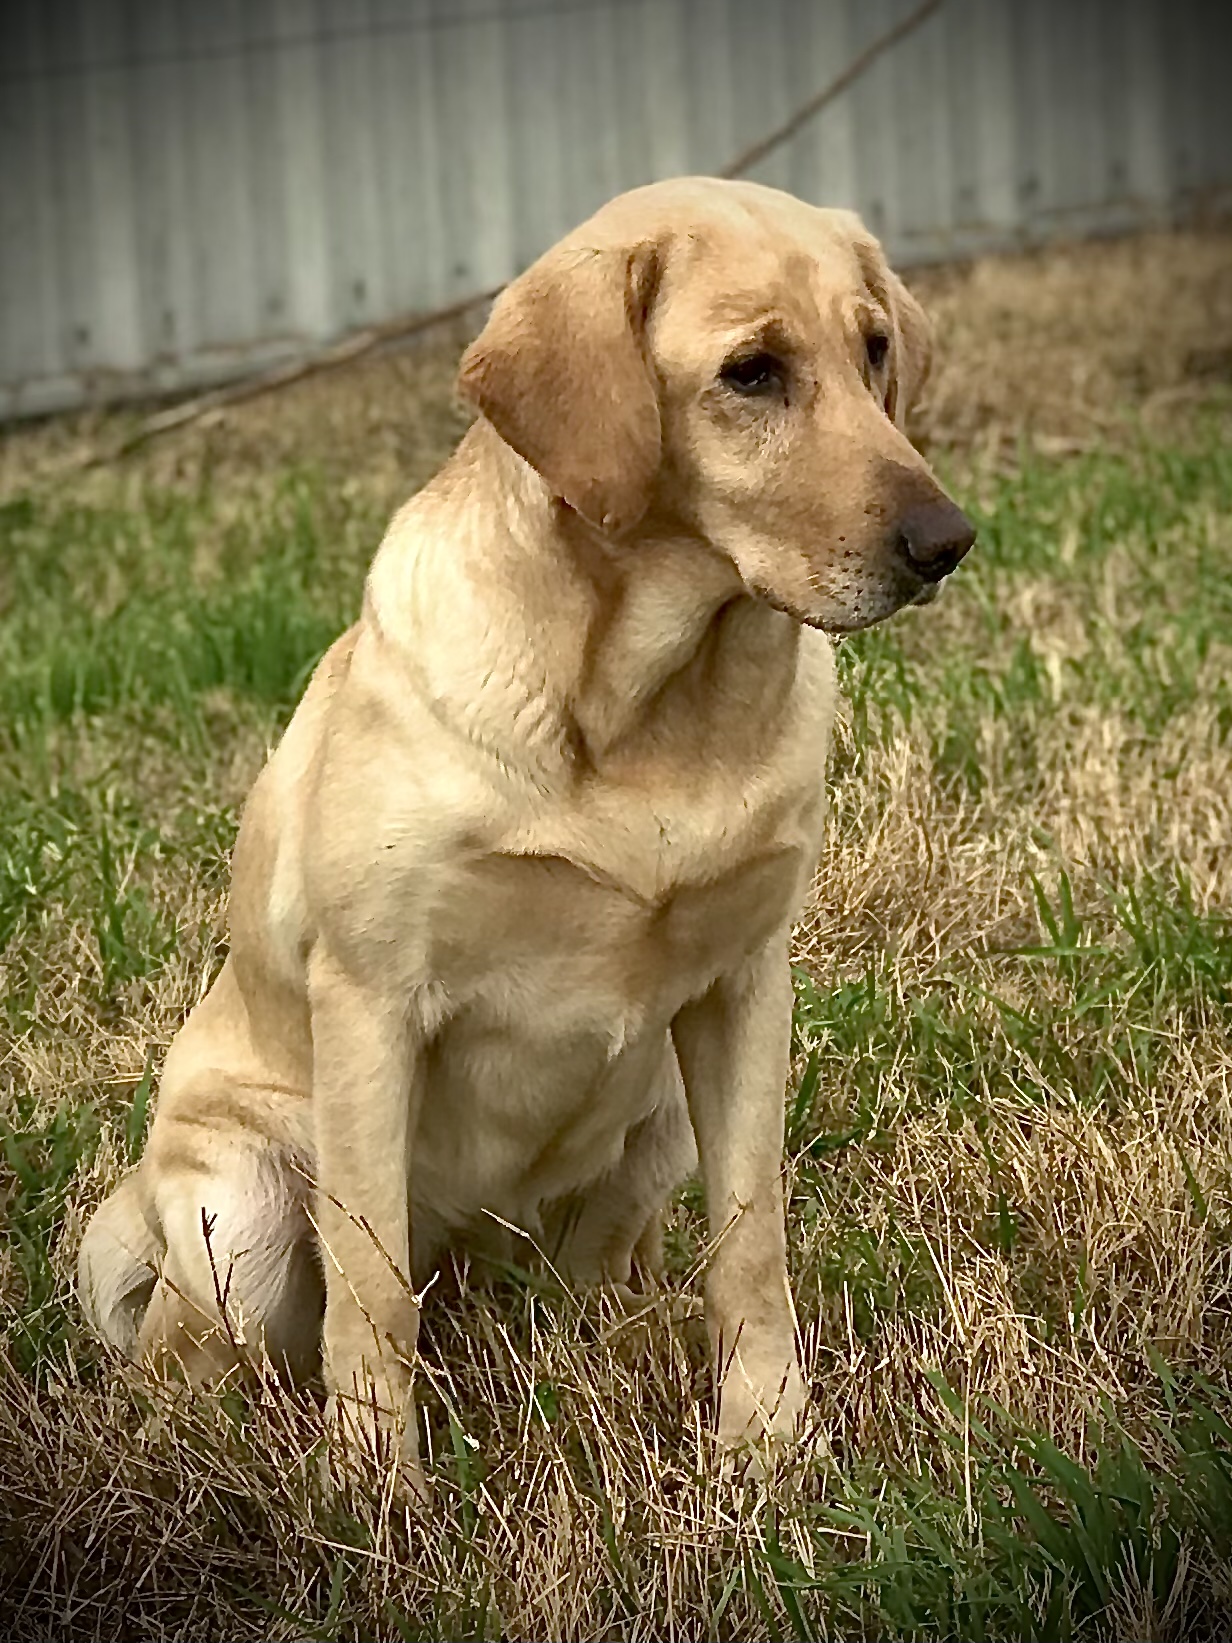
933,537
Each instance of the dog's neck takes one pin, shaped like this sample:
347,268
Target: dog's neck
545,643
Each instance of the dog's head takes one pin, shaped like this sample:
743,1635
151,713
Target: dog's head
738,365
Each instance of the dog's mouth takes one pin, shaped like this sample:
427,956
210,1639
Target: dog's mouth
781,605
838,624
928,593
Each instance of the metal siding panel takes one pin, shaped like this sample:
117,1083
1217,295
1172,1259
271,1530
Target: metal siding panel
1195,48
189,189
875,136
19,271
634,148
73,204
920,94
980,128
222,218
665,79
1099,65
165,204
1063,29
29,343
1123,106
1179,96
803,79
537,144
348,130
1187,56
1213,30
411,139
587,168
265,173
1147,158
708,53
1112,113
606,113
296,84
759,84
1030,80
624,27
468,53
578,162
495,188
394,173
959,111
993,120
1048,110
106,97
826,148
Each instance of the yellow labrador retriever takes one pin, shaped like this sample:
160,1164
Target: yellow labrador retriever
511,900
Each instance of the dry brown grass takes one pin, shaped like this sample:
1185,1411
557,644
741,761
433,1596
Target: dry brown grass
1012,1186
1072,346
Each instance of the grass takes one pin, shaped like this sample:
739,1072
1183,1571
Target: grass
1010,1121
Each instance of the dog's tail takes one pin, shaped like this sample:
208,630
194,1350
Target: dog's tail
117,1266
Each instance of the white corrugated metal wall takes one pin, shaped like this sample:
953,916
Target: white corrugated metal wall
189,190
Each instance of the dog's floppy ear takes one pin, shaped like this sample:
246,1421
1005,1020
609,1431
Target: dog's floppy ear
561,373
913,335
913,352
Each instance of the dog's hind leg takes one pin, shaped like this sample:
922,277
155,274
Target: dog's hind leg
240,1279
117,1266
612,1231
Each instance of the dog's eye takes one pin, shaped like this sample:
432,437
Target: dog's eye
753,374
878,346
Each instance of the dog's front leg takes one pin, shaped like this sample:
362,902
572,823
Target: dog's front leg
366,1086
734,1049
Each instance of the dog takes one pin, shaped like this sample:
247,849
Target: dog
511,900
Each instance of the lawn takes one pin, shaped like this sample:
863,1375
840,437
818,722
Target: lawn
1010,1119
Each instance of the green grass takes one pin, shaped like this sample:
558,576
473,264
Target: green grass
1135,544
1010,1103
108,613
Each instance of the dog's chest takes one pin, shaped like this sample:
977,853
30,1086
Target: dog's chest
619,901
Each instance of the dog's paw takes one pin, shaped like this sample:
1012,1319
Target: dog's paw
379,1435
760,1418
